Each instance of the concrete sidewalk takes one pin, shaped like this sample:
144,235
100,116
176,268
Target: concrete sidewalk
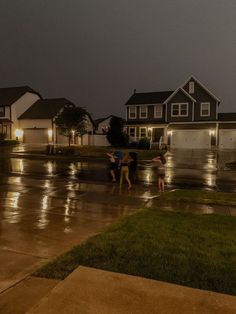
89,291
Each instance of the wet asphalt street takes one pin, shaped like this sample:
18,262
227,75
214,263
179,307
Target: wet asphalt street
48,206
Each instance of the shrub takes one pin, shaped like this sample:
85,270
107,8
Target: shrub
2,136
144,143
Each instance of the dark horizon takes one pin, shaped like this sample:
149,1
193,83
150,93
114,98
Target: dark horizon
96,54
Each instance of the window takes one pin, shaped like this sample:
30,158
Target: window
132,132
143,132
143,112
2,111
179,110
191,87
158,111
132,112
205,109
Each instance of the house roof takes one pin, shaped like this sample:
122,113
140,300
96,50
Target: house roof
45,108
229,116
98,121
11,94
148,98
181,90
203,86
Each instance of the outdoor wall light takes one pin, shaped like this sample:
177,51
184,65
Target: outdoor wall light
211,132
49,133
19,134
169,133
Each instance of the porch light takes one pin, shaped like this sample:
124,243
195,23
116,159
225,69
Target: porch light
170,133
50,135
211,132
19,133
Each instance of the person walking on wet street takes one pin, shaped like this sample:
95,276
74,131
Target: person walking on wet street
124,170
160,162
113,165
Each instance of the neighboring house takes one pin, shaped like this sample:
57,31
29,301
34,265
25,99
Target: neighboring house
185,118
13,102
37,122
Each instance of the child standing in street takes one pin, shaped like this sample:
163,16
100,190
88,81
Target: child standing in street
160,162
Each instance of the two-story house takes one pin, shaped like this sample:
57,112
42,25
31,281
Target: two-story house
13,102
185,118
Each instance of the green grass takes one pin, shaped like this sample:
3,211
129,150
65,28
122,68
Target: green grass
201,197
191,250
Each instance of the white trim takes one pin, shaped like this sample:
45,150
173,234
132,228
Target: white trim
193,107
195,122
146,111
155,116
201,109
166,118
192,77
175,92
145,128
179,109
135,117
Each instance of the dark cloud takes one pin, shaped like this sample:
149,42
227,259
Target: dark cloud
96,52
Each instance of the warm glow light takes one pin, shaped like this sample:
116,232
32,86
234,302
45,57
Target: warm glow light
170,133
50,135
19,133
211,132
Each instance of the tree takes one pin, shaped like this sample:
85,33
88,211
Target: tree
115,134
71,122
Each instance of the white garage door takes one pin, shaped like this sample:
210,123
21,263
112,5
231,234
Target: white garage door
36,136
199,139
227,139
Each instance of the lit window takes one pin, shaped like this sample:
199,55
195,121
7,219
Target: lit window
143,112
132,112
179,110
191,87
158,111
205,109
132,132
143,132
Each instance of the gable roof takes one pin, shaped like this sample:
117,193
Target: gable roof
10,95
183,91
148,98
192,77
98,121
229,116
45,108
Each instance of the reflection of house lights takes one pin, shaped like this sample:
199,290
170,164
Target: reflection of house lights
50,167
21,165
45,202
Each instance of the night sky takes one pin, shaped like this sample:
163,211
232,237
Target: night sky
95,52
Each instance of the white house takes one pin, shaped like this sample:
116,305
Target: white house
14,101
38,126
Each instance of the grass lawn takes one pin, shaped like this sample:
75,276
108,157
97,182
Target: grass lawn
201,197
191,250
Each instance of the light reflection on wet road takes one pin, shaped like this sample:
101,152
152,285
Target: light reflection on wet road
48,206
196,169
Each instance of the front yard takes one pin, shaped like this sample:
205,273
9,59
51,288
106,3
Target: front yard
186,249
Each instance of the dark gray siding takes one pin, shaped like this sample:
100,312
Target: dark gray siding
180,97
150,117
200,95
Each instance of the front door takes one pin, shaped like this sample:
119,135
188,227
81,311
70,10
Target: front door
157,133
